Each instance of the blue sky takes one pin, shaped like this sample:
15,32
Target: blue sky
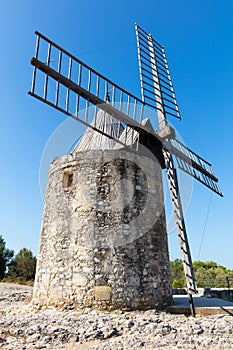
197,36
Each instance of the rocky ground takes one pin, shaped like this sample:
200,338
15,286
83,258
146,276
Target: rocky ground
21,327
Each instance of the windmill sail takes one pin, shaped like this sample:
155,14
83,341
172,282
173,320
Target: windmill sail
194,165
155,76
157,86
180,224
64,82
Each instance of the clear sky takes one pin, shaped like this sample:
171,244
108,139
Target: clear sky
197,36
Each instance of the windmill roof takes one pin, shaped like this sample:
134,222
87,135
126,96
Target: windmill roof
94,140
147,123
129,135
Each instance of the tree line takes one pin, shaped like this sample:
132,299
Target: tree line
207,274
18,268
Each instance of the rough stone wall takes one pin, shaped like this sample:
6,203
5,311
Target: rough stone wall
103,241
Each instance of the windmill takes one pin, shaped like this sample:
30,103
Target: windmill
77,87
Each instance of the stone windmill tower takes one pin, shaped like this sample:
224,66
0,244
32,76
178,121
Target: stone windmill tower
103,241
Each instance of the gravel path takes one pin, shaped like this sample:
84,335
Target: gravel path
21,328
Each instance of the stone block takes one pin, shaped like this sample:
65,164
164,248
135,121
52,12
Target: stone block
102,293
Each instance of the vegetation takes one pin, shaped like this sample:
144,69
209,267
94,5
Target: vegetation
23,267
5,257
208,274
177,274
20,269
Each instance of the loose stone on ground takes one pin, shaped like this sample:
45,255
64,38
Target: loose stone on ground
23,327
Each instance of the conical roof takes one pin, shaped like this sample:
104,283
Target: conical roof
129,136
94,140
147,123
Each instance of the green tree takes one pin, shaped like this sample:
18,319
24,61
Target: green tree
208,274
23,266
177,274
206,265
5,257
